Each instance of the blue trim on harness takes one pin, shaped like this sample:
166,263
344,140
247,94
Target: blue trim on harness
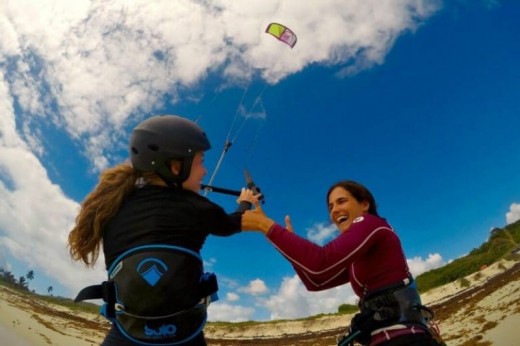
144,247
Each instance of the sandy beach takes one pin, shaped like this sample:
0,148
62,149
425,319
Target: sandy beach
26,321
9,337
487,312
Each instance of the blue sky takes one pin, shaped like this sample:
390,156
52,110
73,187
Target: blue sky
416,99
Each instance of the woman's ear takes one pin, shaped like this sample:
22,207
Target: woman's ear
365,206
175,167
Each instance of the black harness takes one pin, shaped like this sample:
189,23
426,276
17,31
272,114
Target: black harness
396,304
156,294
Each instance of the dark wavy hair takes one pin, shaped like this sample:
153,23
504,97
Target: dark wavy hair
358,191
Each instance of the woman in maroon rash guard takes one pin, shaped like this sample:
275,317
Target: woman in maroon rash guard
368,254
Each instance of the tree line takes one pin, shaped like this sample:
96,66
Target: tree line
22,282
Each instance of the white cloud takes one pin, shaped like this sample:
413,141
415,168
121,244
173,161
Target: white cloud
513,214
255,287
292,300
209,263
35,215
219,311
88,67
232,297
418,266
321,233
229,283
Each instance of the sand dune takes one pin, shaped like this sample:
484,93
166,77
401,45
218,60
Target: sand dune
485,313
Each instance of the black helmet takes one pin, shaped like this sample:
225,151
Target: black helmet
158,140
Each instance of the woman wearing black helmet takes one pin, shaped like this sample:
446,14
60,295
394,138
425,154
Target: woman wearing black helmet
152,222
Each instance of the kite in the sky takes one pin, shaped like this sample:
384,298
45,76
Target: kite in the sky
282,33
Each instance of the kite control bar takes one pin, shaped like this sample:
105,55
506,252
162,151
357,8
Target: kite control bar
220,190
250,185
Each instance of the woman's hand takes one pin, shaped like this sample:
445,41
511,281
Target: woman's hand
247,195
256,220
288,224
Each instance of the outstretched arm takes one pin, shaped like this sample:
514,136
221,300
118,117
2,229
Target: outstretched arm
301,250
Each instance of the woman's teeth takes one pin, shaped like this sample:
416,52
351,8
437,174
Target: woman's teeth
342,219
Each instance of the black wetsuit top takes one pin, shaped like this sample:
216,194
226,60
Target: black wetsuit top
166,216
162,215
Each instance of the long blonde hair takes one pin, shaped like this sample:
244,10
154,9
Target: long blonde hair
114,185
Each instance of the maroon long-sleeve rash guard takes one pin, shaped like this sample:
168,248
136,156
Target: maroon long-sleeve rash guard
368,255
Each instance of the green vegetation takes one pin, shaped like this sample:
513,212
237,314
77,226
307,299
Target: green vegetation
477,276
499,246
242,325
347,309
22,283
464,282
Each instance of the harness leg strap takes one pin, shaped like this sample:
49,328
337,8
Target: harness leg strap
105,291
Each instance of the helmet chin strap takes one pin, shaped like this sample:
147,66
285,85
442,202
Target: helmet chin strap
173,183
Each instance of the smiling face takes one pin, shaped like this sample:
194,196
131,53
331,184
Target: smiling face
344,208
